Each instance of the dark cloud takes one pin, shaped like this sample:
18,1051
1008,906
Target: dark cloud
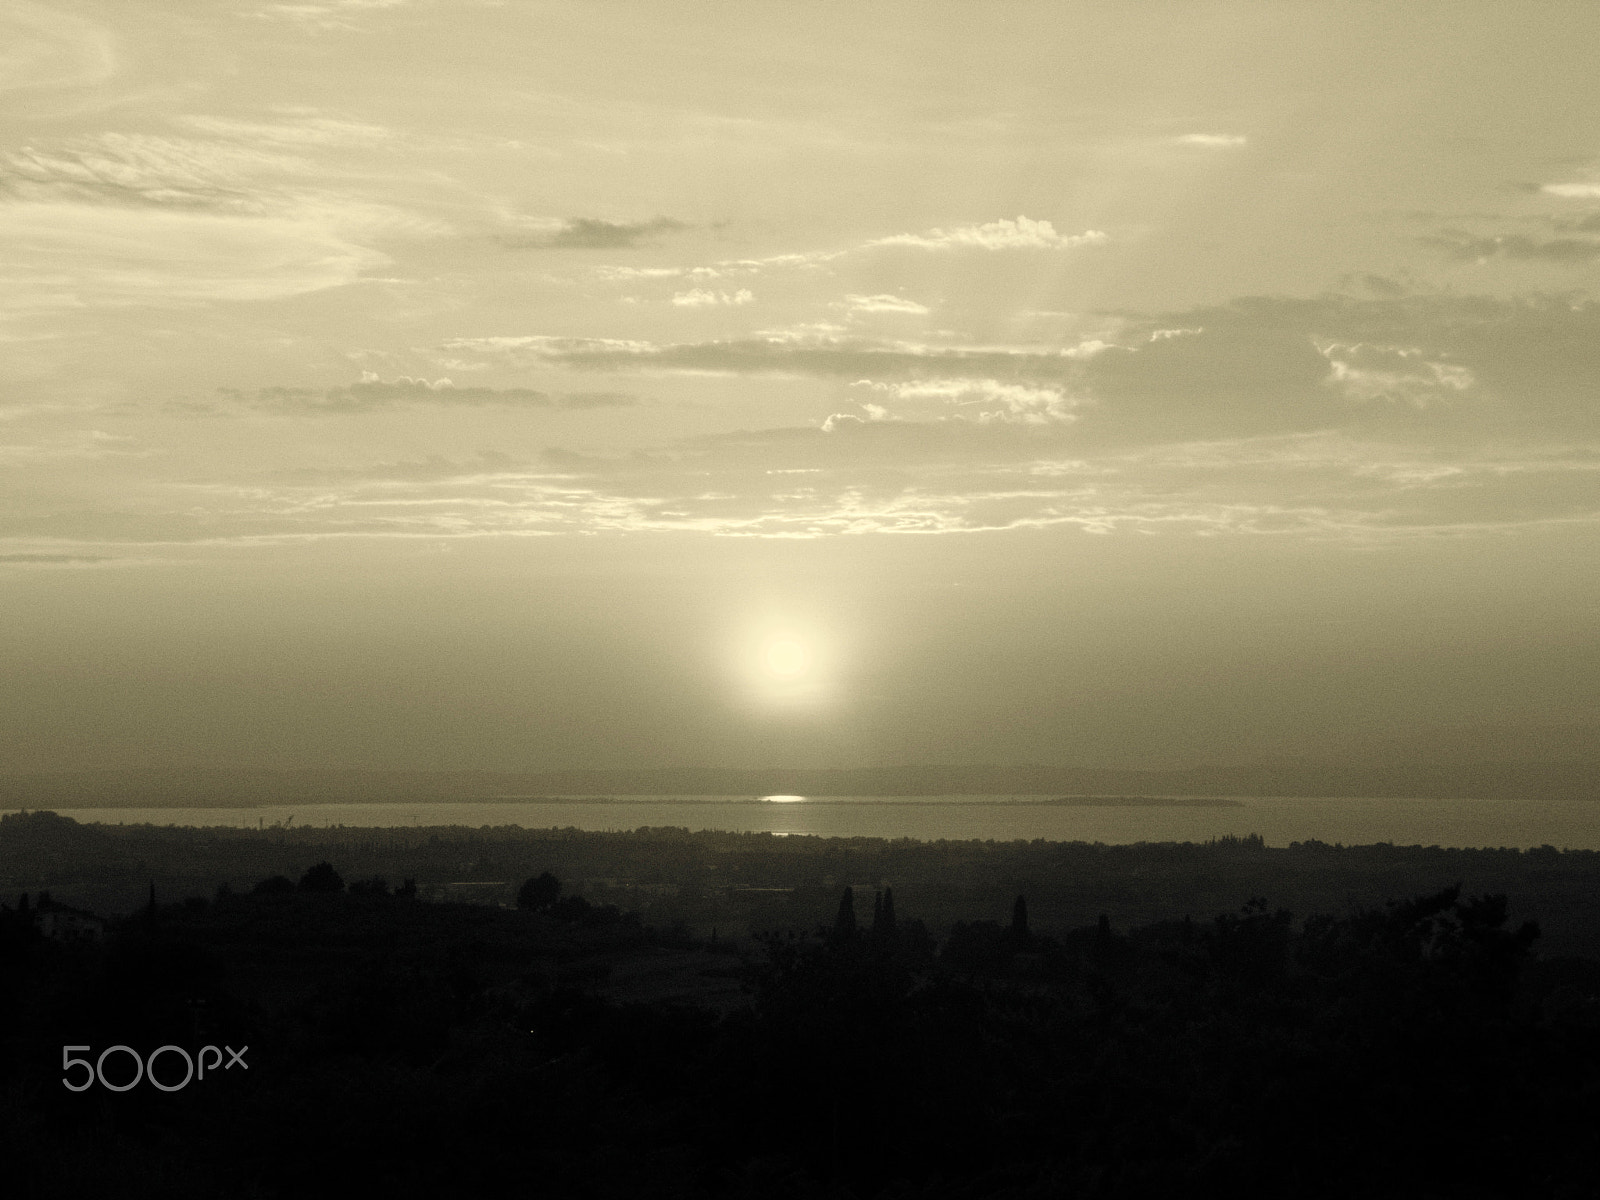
1381,285
1588,223
590,233
597,400
1468,248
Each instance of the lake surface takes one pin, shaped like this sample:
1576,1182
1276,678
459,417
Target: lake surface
1566,824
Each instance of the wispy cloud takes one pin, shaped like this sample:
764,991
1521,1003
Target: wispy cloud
1571,250
589,233
816,351
1258,365
1367,373
70,255
858,479
327,16
143,170
981,400
1021,234
1003,235
372,393
1213,140
243,214
886,304
704,298
50,560
1573,191
300,128
42,46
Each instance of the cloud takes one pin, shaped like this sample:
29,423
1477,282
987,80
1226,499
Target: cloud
322,18
70,255
1568,250
41,46
880,476
136,218
1213,139
589,233
53,560
1021,234
141,170
793,352
296,128
372,393
632,273
704,298
980,400
1368,373
1573,191
885,304
1417,364
1263,365
868,472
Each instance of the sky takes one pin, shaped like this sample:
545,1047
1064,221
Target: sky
540,385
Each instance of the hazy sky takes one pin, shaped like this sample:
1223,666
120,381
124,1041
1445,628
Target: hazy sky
448,384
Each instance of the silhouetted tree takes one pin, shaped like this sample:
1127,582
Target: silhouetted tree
321,878
844,925
1019,920
277,885
540,893
376,886
883,925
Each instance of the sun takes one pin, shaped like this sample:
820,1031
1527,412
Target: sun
785,661
785,658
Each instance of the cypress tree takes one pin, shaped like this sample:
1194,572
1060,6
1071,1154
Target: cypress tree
844,925
1019,919
889,930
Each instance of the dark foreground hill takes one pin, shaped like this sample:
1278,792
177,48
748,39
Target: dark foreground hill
401,1048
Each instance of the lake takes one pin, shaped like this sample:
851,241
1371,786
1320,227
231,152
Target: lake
1566,824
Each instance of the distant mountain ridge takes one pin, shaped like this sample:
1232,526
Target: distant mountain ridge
244,787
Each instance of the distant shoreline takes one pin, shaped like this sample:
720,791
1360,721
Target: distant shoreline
866,801
955,800
1079,786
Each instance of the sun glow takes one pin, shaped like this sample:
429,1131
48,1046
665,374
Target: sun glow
786,658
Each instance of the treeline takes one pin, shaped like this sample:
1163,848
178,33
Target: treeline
742,882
